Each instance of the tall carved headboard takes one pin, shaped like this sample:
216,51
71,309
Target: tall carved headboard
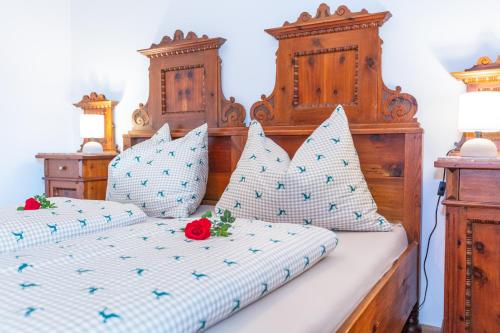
322,60
329,59
334,58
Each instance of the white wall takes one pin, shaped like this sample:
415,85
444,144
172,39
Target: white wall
34,92
424,41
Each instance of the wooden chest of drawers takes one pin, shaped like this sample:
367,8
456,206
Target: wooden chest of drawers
80,176
472,267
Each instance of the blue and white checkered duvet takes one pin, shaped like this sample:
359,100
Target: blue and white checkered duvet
71,218
149,278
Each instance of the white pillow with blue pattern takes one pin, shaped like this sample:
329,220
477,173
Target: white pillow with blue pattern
164,178
322,185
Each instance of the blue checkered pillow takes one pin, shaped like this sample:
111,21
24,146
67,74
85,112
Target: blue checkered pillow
164,178
322,185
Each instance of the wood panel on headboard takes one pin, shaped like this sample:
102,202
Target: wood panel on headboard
334,58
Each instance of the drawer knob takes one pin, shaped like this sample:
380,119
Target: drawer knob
62,168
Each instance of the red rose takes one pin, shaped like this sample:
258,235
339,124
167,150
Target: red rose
31,204
198,229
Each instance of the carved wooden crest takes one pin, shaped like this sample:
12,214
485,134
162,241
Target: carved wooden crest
484,75
328,59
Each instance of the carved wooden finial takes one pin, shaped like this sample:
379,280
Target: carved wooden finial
93,97
140,119
484,75
179,38
180,43
94,100
345,12
178,35
323,11
483,61
325,21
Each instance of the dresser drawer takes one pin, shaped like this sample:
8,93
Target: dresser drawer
63,168
479,185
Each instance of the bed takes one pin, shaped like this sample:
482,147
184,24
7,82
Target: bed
322,299
322,60
114,278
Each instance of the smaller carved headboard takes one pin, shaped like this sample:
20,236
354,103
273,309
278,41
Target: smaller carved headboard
185,86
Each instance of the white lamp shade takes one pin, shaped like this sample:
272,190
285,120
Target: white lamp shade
479,111
92,126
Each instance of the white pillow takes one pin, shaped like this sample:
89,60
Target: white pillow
323,185
164,178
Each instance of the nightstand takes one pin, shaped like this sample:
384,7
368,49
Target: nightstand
80,176
472,260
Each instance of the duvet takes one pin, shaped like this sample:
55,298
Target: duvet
148,277
71,218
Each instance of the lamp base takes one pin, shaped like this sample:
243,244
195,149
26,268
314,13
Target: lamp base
92,147
478,147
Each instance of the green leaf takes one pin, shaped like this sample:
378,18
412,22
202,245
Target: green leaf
207,214
20,208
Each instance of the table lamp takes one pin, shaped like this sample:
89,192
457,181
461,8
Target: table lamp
479,111
98,104
92,128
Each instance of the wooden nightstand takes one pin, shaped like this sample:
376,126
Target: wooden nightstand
472,267
80,176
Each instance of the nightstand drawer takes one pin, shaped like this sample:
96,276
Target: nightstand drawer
63,188
63,168
479,185
80,176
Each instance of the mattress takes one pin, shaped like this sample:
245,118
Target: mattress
322,299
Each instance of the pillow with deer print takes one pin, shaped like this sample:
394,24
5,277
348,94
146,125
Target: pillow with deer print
322,185
164,177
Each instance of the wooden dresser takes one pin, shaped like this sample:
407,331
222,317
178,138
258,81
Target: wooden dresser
80,176
472,268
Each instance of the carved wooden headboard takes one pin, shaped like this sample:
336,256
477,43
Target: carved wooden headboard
334,58
322,60
185,86
329,59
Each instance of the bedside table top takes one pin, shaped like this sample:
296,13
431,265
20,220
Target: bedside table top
75,156
458,162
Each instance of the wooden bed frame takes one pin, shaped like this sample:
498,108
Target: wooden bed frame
322,60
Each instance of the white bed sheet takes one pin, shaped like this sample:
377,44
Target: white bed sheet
321,299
